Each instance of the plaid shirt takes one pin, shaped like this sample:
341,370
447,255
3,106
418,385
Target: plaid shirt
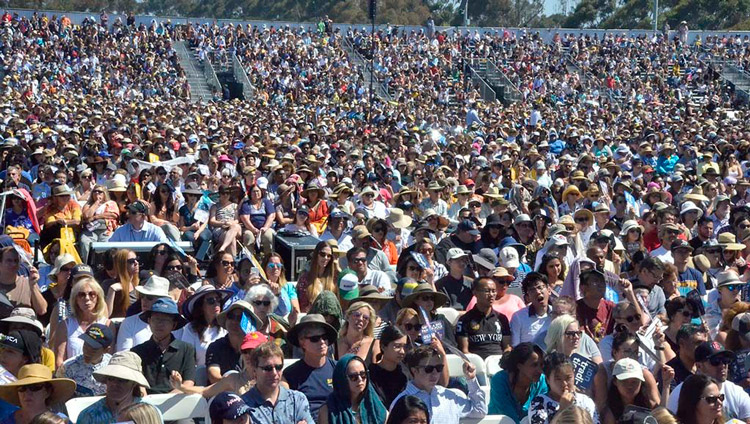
447,406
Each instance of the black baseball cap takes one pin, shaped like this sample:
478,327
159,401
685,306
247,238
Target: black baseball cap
468,226
708,350
98,336
81,271
681,244
138,207
227,406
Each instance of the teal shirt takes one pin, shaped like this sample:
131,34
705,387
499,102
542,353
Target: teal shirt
502,400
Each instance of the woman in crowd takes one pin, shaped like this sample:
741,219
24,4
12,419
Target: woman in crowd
379,229
354,399
342,194
157,258
264,302
679,313
558,371
387,375
520,381
318,205
127,269
125,383
415,266
409,410
257,214
141,413
555,270
626,388
670,281
116,189
356,335
564,336
60,212
99,219
284,205
631,236
322,275
87,306
727,292
58,292
425,297
21,212
221,272
164,212
193,226
187,266
301,223
19,348
224,222
426,247
701,401
201,310
35,392
288,305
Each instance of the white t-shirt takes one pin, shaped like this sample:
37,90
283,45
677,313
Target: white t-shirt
543,408
380,280
133,331
605,347
189,336
524,327
736,401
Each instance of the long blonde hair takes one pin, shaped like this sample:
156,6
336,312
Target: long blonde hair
127,281
330,273
556,332
103,189
100,311
141,413
355,307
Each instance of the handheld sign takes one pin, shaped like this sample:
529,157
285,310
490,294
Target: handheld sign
583,371
248,326
430,328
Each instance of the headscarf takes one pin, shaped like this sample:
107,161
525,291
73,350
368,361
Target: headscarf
371,408
328,304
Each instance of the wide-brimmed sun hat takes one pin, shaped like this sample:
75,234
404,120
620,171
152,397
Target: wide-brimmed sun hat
124,365
31,374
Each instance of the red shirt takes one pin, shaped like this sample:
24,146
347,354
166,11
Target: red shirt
651,240
598,322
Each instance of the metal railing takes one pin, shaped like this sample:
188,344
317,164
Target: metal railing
487,93
360,61
210,75
512,93
248,89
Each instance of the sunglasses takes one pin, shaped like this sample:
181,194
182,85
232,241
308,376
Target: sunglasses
581,219
711,400
413,327
685,313
274,265
359,260
173,268
632,318
355,377
316,338
733,287
84,295
133,261
719,361
94,191
360,315
66,269
429,369
271,368
213,301
227,263
262,302
31,388
413,268
161,252
575,334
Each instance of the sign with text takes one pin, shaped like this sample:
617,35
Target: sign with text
583,371
430,328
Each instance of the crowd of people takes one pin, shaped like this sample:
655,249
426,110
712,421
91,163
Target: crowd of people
589,241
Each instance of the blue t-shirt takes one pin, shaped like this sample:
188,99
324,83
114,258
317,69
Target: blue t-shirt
691,280
257,216
315,383
288,293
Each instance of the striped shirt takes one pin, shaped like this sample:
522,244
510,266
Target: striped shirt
448,406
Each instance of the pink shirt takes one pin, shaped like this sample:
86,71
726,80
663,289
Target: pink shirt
510,307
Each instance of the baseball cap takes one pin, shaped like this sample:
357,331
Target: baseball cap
708,350
227,406
98,336
253,339
137,207
509,257
627,368
348,285
468,226
455,253
681,244
741,324
81,271
303,210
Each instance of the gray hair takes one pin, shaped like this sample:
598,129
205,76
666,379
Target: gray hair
262,291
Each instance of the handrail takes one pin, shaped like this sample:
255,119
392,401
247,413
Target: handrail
210,75
248,89
380,89
513,86
488,94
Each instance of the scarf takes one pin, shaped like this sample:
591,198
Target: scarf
371,408
327,304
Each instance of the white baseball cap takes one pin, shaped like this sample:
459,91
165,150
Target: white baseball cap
509,257
627,368
455,253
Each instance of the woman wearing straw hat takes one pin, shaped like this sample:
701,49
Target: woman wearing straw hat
61,211
201,310
317,204
342,194
125,383
35,392
99,217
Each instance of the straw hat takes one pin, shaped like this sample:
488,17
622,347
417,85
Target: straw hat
501,274
442,221
62,388
61,261
62,190
421,289
570,190
398,219
116,185
696,195
313,187
124,365
729,242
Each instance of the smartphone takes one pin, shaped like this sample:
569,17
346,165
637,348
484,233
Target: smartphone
254,271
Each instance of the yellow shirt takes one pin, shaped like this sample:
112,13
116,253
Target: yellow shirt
48,359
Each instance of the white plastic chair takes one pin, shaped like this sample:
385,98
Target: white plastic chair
492,365
177,407
76,405
456,367
288,363
489,419
299,317
451,314
525,420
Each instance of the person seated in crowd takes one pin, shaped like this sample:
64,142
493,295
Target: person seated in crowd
321,276
528,322
504,302
357,260
19,289
96,342
229,407
201,310
263,302
425,366
679,312
269,401
58,292
688,338
141,413
386,374
120,290
356,334
286,293
353,397
409,410
627,318
163,353
425,297
593,311
133,330
223,355
137,228
125,384
19,348
558,371
236,382
221,271
224,221
564,336
61,212
35,392
456,285
626,388
25,319
99,219
87,307
482,330
700,401
519,382
712,360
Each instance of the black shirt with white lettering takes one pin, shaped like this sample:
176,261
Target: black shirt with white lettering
485,333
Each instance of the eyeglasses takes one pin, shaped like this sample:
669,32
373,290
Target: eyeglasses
733,287
574,334
360,315
31,388
427,251
413,268
173,268
84,295
413,327
711,400
429,369
227,263
632,318
161,252
271,368
132,261
355,377
316,338
262,302
275,265
719,361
